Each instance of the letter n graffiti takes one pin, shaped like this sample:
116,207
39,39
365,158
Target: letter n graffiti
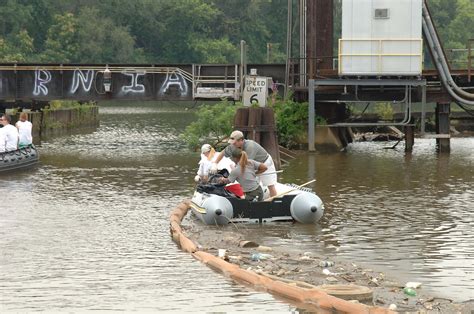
42,77
78,77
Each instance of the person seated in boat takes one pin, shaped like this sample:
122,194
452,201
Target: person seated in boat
8,135
208,155
255,152
24,130
245,172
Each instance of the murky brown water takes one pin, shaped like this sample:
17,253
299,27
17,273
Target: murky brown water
88,229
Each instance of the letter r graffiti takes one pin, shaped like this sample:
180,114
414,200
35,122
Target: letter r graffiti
42,77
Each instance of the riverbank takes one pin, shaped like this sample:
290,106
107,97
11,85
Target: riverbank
305,269
55,121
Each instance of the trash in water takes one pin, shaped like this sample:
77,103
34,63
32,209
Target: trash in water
413,284
326,264
248,244
409,291
263,248
221,253
327,272
260,256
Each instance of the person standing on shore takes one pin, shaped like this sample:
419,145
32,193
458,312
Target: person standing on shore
255,152
8,135
24,130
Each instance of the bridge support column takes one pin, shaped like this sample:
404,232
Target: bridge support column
443,126
409,138
258,124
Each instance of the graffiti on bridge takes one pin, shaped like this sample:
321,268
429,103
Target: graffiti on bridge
42,77
89,84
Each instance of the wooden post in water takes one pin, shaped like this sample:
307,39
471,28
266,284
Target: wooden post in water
255,119
258,124
442,112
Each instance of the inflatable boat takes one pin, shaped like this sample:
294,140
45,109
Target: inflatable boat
19,159
214,205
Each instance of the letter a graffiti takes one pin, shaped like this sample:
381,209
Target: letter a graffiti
86,80
42,77
174,79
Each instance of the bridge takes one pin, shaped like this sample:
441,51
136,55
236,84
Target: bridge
24,85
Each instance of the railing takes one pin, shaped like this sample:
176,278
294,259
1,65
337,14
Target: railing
382,56
212,85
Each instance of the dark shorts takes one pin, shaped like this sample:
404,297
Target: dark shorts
257,193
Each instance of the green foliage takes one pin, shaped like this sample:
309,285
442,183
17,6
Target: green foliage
213,124
291,120
454,21
67,104
61,41
213,51
103,41
18,49
179,31
384,110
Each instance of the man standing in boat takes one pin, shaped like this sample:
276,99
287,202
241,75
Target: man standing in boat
255,152
24,130
8,135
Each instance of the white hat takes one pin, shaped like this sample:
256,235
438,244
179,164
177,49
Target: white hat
205,148
234,136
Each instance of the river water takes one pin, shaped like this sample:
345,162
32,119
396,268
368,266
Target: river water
88,228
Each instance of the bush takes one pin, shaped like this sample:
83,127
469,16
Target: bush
213,124
292,121
384,110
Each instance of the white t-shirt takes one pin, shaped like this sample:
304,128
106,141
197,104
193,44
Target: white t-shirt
24,131
8,138
205,165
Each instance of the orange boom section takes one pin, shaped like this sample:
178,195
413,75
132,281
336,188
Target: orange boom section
312,299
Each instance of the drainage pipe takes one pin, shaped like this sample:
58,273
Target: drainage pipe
438,55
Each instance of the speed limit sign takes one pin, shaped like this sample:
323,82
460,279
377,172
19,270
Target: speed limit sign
255,91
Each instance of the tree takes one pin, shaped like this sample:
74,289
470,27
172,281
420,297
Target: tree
213,50
213,124
62,40
18,49
102,41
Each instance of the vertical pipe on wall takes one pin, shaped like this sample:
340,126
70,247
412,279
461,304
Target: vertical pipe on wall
311,113
243,65
288,45
302,16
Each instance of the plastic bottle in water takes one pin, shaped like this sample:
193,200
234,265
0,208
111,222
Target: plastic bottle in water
326,263
255,256
409,291
260,256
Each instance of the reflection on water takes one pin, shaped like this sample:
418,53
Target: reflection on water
408,215
88,229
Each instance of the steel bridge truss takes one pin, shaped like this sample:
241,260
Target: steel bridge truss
404,84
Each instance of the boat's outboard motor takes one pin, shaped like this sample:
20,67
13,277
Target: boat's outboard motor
306,208
218,210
